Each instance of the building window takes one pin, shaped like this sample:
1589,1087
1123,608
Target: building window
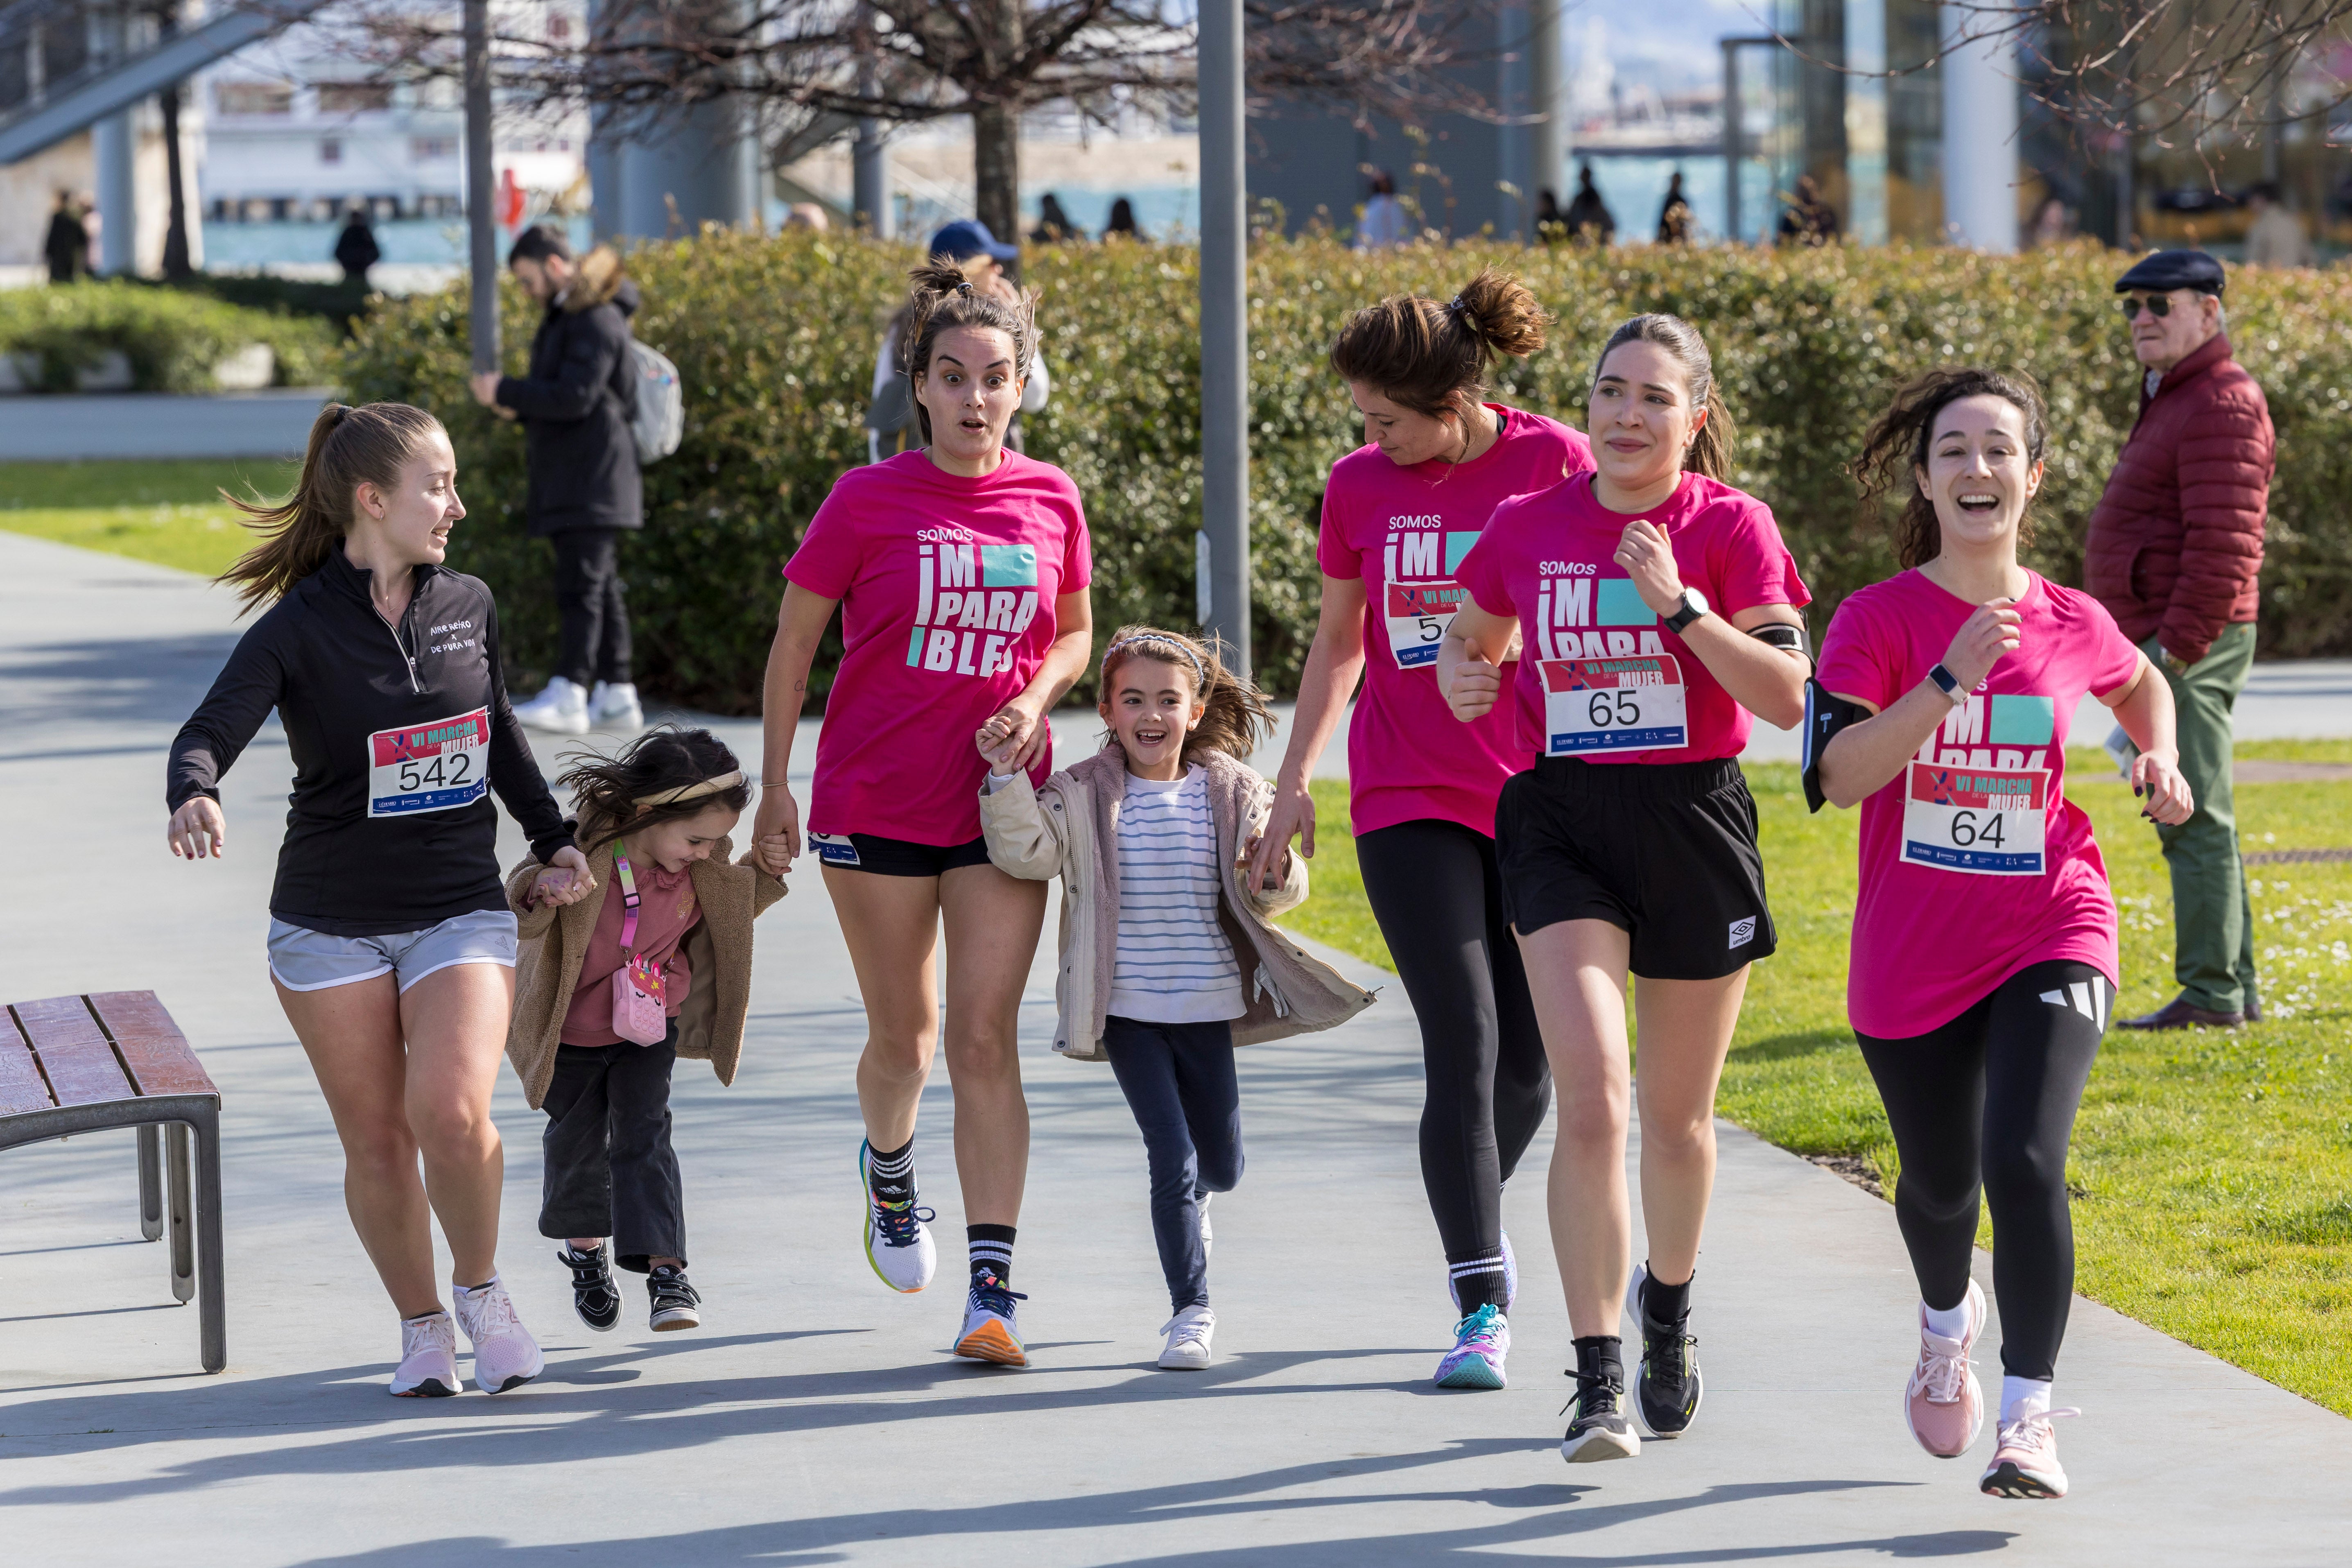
355,96
432,149
558,29
253,98
331,150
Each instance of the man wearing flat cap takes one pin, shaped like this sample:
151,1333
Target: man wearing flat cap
2174,553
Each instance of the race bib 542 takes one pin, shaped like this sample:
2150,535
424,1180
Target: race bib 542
439,766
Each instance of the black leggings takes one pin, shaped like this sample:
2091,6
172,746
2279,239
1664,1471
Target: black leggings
1435,889
1987,1103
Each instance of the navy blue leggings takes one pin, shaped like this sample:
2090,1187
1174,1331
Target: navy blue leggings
1179,1081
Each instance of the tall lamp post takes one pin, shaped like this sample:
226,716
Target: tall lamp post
481,222
1224,557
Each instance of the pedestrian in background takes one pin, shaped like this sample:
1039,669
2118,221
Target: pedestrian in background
575,406
2174,552
1589,219
355,249
1549,225
2276,238
1808,220
1675,219
1122,223
1054,225
1385,222
67,244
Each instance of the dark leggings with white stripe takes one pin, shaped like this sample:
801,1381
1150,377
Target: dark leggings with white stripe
1435,889
1985,1105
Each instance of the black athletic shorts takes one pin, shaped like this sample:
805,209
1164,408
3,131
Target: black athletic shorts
895,856
1667,853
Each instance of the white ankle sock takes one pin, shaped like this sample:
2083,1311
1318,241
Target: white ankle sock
2020,1394
1948,1322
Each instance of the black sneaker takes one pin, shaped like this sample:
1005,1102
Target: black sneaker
1666,1386
676,1303
1597,1427
592,1295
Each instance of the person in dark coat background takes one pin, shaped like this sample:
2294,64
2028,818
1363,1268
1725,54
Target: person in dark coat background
2175,552
576,406
355,248
67,244
1676,220
1589,219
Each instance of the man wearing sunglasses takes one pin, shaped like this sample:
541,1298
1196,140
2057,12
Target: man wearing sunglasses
2174,552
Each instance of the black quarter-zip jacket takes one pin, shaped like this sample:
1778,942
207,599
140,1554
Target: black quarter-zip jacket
390,827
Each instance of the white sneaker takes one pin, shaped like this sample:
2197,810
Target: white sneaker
1207,1236
505,1355
428,1358
898,1241
2026,1465
1189,1333
991,1332
562,709
615,706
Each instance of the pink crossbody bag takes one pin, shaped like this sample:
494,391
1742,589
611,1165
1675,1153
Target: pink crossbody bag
639,986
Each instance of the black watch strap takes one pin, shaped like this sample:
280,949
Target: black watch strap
1683,615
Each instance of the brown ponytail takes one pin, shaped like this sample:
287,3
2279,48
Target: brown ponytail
1431,355
944,297
1710,451
348,447
1234,716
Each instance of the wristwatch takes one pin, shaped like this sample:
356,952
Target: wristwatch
1948,684
1692,607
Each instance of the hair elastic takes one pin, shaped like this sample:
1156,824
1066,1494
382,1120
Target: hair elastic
1198,666
718,785
964,287
1455,305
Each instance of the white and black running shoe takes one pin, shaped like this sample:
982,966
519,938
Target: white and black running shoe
1666,1386
675,1304
1597,1427
593,1295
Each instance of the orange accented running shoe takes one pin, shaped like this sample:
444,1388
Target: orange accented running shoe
990,1333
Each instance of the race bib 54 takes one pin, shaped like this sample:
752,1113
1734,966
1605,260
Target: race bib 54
1984,822
439,766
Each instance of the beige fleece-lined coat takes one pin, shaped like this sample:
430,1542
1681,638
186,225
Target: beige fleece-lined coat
1068,827
555,941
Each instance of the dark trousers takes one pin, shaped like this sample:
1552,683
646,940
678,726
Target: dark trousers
1983,1107
610,1167
588,589
1179,1081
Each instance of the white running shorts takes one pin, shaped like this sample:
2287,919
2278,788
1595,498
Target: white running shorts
306,959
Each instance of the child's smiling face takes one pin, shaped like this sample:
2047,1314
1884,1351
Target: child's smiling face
679,842
1151,706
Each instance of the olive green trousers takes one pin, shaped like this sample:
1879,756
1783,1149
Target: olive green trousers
2213,930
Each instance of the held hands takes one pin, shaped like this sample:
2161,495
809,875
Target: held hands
776,831
1986,635
1477,683
1268,854
1013,739
1648,557
1266,859
564,879
198,830
2155,777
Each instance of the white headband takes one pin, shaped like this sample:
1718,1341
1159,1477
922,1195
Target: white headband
1199,668
723,783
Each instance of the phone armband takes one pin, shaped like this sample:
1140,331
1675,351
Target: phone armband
1825,715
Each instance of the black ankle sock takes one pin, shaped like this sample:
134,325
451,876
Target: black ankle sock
892,1172
1665,1304
991,1251
1602,1356
1479,1281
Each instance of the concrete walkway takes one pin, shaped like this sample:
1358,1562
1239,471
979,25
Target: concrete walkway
84,426
816,1418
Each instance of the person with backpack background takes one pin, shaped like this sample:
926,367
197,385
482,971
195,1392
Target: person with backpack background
578,404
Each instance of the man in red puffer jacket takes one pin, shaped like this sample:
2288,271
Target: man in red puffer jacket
2174,553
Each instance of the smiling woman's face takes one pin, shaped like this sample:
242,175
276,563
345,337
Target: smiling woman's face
1642,419
971,391
1979,476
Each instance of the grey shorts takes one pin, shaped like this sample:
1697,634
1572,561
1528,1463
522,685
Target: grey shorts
306,959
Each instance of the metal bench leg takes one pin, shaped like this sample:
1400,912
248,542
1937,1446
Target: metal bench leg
183,1241
151,1182
212,1303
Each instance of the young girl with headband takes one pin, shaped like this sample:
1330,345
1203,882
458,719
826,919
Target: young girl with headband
1167,959
612,989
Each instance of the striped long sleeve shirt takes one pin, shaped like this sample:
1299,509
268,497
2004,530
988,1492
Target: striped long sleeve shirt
1175,964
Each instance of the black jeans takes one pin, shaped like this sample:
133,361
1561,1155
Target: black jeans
1985,1105
1434,888
1179,1081
588,589
610,1167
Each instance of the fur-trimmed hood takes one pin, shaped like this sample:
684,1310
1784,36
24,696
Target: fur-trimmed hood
601,279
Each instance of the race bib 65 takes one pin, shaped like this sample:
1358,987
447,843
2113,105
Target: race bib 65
1636,703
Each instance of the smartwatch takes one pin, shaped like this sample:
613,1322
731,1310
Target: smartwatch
1692,607
1948,684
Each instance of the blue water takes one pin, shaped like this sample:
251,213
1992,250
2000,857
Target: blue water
1635,188
440,241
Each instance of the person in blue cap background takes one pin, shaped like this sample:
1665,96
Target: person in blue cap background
2175,553
890,414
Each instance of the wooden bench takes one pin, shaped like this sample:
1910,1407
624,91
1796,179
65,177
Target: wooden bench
80,1064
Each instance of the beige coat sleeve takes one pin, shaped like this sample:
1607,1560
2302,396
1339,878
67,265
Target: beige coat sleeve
530,920
1028,832
766,889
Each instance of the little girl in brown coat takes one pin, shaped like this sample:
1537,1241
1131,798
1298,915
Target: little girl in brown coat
654,821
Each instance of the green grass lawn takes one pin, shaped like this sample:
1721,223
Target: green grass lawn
167,511
2212,1170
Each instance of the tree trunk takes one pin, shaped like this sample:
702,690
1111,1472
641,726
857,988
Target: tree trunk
996,170
175,232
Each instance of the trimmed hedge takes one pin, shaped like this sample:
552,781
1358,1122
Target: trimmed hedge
775,339
171,338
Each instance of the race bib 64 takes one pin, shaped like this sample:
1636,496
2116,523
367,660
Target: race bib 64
1984,822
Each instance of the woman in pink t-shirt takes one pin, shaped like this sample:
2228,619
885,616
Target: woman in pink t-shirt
961,570
1399,514
1657,608
1984,958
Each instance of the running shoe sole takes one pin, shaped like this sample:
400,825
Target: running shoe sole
430,1388
992,1343
1473,1372
1599,1443
674,1318
517,1381
2005,1480
865,1184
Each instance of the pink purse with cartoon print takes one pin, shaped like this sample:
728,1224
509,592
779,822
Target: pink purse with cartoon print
640,989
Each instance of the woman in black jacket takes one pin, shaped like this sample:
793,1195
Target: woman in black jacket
391,943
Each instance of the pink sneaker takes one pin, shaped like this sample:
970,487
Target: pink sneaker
2025,1464
1944,1403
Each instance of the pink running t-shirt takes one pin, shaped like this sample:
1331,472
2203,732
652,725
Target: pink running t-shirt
1974,863
1402,531
1600,676
947,587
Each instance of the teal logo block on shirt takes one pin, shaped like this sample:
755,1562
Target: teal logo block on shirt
1008,566
1457,545
2023,721
1621,604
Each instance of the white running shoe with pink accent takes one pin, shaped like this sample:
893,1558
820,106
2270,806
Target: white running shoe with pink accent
1943,1402
2025,1464
428,1358
505,1355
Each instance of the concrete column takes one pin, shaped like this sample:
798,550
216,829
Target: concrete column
1548,100
1866,121
1223,562
870,181
703,160
114,143
1980,82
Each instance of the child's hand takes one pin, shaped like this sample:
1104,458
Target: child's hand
1272,873
1013,739
564,879
775,853
994,750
